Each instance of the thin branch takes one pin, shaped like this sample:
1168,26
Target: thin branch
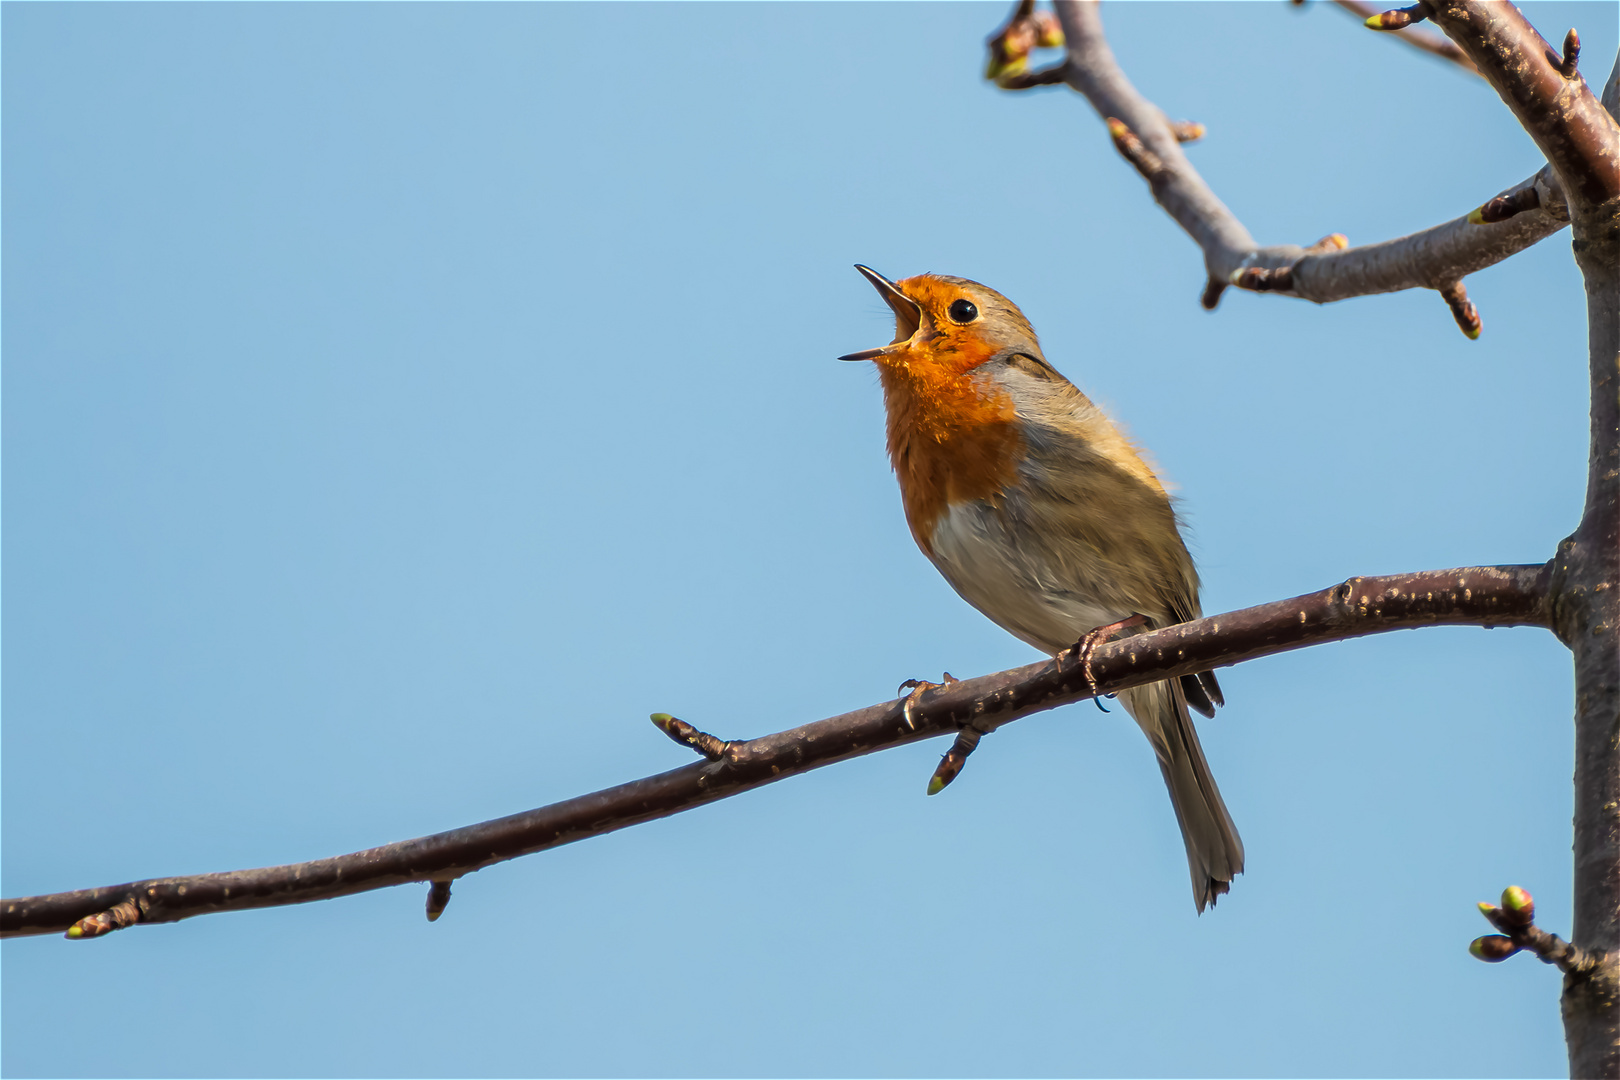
1474,596
1516,919
1435,258
1429,43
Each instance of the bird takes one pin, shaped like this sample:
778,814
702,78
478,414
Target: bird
1043,515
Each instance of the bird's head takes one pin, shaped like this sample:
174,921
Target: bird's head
944,327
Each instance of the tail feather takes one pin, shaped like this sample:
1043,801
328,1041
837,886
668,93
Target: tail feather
1214,851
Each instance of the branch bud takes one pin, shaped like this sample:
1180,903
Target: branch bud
710,747
1258,279
1398,19
1132,149
1505,206
116,917
950,766
1049,32
1187,130
1462,309
438,899
1333,242
1493,948
1518,907
1010,47
1569,68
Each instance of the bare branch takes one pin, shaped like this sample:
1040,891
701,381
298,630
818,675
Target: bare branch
1516,919
1474,596
1429,43
1563,116
1435,258
1581,140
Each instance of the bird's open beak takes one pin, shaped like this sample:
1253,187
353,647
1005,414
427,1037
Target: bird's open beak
907,315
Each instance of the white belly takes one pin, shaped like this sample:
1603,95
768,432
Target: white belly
1017,586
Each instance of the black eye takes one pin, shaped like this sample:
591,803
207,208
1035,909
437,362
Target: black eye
964,311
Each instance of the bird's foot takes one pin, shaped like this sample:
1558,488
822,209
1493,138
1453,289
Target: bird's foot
1087,645
918,688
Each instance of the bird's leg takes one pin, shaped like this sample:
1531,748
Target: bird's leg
1088,645
918,687
967,740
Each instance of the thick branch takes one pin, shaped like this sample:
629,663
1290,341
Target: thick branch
1581,140
1563,116
1434,258
1475,596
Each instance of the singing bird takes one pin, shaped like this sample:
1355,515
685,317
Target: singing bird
1043,515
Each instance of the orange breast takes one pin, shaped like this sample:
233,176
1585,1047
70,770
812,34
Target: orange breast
952,439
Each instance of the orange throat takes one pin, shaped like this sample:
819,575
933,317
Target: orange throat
952,439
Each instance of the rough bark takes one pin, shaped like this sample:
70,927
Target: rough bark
1474,596
1582,142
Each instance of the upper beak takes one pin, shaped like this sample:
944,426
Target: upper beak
907,315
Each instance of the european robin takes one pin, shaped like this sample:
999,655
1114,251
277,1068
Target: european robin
1043,515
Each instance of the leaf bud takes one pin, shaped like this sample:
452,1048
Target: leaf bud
1493,948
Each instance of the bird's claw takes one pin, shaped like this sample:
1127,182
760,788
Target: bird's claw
917,688
1088,645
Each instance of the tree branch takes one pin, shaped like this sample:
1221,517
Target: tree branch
1516,919
1436,258
1435,46
1474,596
1560,112
1581,140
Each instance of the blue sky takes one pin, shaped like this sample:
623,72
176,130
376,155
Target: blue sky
401,402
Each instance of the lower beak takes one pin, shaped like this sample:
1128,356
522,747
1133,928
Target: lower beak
907,315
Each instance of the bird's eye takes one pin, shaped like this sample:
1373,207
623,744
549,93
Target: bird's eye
963,311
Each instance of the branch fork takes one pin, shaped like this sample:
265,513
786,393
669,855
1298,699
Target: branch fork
1515,918
1438,258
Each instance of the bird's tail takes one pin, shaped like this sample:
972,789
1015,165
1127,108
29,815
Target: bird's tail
1214,852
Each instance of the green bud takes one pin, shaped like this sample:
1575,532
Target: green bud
1518,905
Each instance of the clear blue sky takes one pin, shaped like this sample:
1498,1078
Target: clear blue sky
401,402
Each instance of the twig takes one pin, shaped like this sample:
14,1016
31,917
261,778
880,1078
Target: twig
1433,259
1474,596
1519,932
1429,43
